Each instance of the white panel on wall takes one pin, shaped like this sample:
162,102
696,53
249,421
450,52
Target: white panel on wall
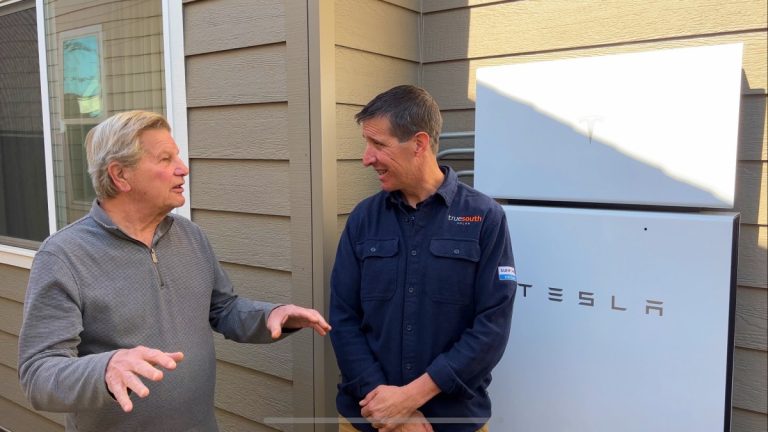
648,128
622,322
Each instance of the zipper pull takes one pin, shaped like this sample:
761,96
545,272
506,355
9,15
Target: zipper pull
154,256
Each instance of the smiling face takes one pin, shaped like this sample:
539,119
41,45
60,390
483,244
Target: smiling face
394,162
157,180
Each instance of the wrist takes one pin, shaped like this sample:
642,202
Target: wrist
421,390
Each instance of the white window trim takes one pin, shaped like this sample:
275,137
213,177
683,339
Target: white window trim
176,107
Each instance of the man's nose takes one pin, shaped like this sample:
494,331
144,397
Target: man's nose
369,156
181,169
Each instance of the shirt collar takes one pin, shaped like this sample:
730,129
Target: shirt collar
102,218
446,191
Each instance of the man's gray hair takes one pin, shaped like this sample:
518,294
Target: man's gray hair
410,109
117,139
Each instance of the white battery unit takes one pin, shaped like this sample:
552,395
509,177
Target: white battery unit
655,128
623,321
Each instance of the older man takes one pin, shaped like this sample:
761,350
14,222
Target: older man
117,299
423,283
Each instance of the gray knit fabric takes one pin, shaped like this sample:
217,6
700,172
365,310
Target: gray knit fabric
93,290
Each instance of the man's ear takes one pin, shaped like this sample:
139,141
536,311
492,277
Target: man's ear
422,143
117,173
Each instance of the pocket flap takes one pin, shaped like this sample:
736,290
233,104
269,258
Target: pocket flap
377,248
453,248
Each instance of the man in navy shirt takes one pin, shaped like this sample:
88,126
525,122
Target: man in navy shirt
423,283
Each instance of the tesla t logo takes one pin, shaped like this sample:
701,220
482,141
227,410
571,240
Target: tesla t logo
586,298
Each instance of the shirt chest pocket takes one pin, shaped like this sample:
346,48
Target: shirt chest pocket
379,268
451,270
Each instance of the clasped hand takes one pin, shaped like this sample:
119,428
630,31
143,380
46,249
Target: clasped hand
390,409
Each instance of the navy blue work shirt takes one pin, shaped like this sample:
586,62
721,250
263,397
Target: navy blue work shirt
423,290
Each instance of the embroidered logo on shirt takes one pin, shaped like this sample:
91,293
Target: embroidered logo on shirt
507,273
465,220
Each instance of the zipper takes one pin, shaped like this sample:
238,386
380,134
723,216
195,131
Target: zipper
157,267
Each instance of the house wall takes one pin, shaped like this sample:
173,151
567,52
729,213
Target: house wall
462,35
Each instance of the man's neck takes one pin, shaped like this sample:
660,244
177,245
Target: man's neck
132,218
430,181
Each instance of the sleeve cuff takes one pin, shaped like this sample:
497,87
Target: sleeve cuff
363,384
444,377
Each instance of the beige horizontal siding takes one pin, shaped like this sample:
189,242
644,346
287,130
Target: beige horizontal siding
440,5
11,391
453,83
747,421
14,285
260,283
252,395
246,186
133,45
753,256
9,350
752,192
242,76
274,359
256,131
414,5
750,374
753,134
12,313
355,183
18,419
527,26
379,27
751,323
218,25
229,422
361,75
254,240
349,140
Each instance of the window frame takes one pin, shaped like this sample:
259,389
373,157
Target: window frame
176,113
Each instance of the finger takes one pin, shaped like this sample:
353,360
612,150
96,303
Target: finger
147,371
122,398
368,397
176,356
158,357
133,382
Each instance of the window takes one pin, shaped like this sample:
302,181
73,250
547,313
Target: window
104,57
101,57
23,202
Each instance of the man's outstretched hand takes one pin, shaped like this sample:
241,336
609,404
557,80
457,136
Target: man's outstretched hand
125,367
295,317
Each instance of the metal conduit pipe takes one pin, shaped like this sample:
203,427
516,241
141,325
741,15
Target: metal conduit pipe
462,150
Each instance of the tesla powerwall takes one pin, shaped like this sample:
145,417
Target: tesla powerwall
622,322
647,128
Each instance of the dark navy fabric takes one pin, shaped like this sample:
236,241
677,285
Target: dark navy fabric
423,290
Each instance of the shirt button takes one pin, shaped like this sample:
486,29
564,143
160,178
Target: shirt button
408,366
456,251
410,289
409,327
413,252
373,249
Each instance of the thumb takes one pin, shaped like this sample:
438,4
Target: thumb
368,398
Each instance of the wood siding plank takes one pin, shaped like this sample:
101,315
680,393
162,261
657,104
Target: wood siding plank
253,396
272,359
355,183
361,75
249,75
229,422
378,27
753,256
453,83
750,375
349,140
11,390
753,133
254,240
751,197
239,132
747,421
14,285
218,25
526,26
441,5
19,419
260,283
12,313
260,187
9,350
752,318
